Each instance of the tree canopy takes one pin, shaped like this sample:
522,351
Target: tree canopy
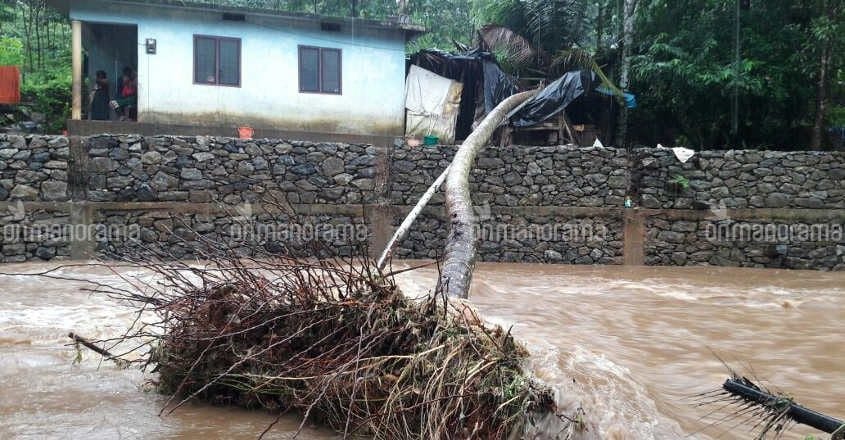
685,73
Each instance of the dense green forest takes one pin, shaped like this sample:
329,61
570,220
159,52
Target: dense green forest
707,73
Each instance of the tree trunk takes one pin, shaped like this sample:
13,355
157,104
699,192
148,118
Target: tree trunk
38,45
600,25
821,99
409,219
26,17
822,85
459,258
628,16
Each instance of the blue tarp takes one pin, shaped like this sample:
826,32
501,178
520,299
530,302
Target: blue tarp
630,98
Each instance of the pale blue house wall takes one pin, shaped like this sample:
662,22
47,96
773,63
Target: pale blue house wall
373,72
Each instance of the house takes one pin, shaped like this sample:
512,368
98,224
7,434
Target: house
202,65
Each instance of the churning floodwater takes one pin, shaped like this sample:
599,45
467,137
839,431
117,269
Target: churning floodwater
627,345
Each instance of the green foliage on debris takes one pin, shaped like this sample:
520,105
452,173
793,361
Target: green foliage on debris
681,181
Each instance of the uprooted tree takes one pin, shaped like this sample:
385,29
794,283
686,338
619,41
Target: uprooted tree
335,340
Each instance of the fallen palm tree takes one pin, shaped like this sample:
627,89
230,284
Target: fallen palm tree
459,259
337,342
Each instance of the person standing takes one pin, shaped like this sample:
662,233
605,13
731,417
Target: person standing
100,98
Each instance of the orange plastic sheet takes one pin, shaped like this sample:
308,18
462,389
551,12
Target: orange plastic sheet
10,85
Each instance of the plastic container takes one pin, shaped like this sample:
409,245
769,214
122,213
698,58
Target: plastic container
245,132
430,140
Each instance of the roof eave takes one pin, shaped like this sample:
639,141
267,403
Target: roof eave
401,23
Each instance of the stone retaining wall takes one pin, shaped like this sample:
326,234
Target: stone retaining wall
519,175
34,233
164,234
171,196
513,189
740,179
542,237
33,168
205,169
816,241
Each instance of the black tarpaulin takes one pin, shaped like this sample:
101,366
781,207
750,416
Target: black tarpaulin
553,99
497,85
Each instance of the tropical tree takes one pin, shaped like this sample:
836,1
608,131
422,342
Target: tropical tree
685,73
629,13
826,41
37,39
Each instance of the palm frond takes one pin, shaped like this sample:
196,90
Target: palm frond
552,23
511,49
767,413
579,58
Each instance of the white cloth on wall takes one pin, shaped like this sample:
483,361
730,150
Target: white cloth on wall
432,103
683,154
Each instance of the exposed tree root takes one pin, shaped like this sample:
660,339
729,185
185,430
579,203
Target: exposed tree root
338,343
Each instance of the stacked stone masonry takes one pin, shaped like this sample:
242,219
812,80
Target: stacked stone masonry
740,179
175,196
515,190
204,169
776,243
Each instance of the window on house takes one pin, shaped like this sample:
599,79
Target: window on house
217,61
319,70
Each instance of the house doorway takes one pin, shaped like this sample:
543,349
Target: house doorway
109,49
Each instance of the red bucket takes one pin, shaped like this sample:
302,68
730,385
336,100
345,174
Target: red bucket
245,132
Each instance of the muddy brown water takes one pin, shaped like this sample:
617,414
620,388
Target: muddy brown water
628,345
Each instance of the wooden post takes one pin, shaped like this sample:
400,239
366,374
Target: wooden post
76,62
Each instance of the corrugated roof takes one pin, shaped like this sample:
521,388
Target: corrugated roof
401,23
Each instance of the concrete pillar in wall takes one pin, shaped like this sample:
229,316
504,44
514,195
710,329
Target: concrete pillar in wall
634,235
82,244
76,62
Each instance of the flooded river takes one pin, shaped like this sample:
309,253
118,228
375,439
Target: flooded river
628,345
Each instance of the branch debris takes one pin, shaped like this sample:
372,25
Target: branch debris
335,341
